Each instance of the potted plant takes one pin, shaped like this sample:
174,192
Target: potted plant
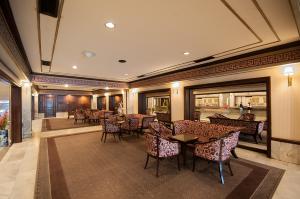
3,130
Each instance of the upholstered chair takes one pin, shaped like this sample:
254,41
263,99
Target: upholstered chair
111,127
145,123
158,145
247,117
218,151
78,115
130,125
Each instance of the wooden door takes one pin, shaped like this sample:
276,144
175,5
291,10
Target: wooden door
50,106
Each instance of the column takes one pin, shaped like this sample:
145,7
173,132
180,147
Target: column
26,110
94,101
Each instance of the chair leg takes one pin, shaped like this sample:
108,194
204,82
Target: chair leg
102,136
178,162
194,162
255,139
105,137
229,166
221,172
114,137
146,161
157,166
234,154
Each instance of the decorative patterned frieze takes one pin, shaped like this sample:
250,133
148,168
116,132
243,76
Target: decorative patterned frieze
253,62
58,80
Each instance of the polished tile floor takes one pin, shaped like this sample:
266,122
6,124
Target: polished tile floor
18,167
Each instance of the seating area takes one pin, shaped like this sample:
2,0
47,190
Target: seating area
245,122
210,142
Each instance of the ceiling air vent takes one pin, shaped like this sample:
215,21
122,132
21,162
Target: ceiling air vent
49,7
204,59
45,66
140,76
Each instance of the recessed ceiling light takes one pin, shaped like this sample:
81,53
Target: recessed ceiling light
88,54
122,61
74,67
106,88
66,85
186,53
126,74
110,25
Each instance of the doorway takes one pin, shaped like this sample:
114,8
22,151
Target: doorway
114,102
50,106
101,103
244,103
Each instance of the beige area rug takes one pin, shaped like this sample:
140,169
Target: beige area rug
62,123
80,166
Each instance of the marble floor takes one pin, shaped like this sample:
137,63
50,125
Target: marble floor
18,167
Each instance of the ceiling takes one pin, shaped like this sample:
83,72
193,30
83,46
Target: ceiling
151,35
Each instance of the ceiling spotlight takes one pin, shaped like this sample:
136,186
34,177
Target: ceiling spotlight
106,88
186,53
126,74
122,61
66,85
88,54
110,25
74,67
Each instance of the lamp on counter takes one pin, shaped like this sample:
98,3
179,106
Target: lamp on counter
175,86
289,72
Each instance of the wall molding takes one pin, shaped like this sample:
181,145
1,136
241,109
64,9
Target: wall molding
289,141
262,59
61,80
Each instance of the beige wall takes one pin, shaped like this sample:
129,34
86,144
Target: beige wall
285,101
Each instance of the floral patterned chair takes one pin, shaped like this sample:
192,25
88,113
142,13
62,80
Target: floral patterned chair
145,123
247,117
111,127
79,115
130,125
158,146
218,151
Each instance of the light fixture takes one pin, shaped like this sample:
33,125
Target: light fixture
66,85
110,25
134,91
122,61
126,74
74,67
106,88
106,94
186,53
289,72
175,86
88,54
123,92
26,83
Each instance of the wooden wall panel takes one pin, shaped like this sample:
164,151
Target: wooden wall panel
66,103
16,114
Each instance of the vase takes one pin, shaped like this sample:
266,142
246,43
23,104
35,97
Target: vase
3,138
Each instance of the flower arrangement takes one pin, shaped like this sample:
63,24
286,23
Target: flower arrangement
3,121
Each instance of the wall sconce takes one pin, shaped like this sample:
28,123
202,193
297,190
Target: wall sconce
134,91
175,86
106,94
35,94
289,72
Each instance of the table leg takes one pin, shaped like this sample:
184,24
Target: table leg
183,152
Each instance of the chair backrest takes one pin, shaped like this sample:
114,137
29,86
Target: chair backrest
110,126
107,114
146,121
247,117
197,115
133,123
158,128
